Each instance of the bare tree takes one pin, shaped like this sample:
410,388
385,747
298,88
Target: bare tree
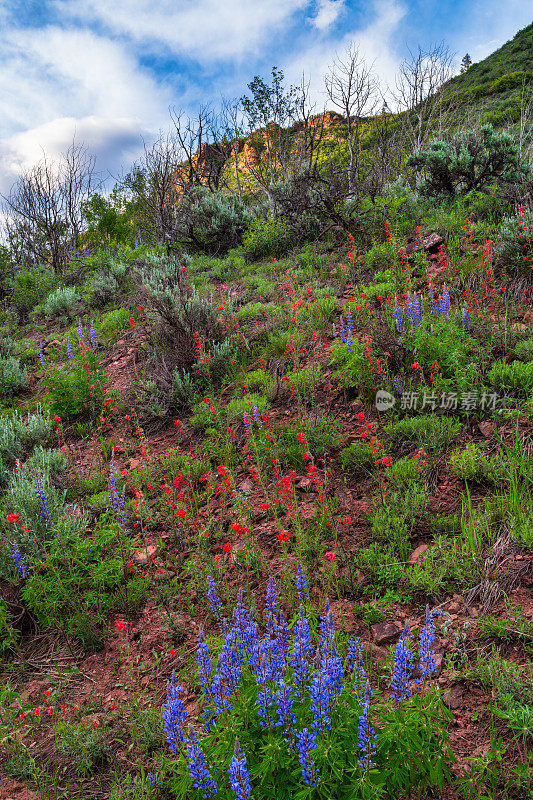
155,187
204,152
419,92
44,209
352,88
233,132
525,131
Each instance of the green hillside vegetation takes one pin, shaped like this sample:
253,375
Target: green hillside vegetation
266,474
493,88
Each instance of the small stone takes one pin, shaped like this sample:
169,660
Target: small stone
144,555
385,632
486,428
246,485
303,483
453,697
416,555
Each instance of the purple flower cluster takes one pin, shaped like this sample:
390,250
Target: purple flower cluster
116,498
238,774
467,320
398,315
402,669
174,715
297,686
41,499
18,561
198,769
70,354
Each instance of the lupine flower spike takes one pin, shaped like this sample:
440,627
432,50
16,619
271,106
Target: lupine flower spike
198,769
19,562
238,774
402,666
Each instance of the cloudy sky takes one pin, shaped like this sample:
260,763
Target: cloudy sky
107,71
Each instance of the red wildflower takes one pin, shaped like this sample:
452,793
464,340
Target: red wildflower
283,537
329,556
14,517
120,624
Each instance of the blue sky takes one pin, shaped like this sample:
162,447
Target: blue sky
107,71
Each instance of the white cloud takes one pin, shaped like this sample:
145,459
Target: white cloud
375,42
205,30
57,83
327,13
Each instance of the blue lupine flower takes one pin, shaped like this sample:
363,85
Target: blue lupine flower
203,661
427,664
416,311
265,702
247,423
153,779
280,649
301,585
81,332
444,303
321,691
467,320
215,603
198,769
433,304
366,733
174,716
402,666
305,742
301,652
70,354
284,704
41,498
116,498
19,562
399,385
342,330
257,417
349,324
397,315
238,774
42,358
356,666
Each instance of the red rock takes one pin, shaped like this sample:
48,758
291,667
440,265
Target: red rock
142,557
416,555
384,632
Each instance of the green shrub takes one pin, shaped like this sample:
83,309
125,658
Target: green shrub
259,381
471,464
109,283
516,376
468,160
184,390
516,242
13,377
61,303
431,433
306,382
84,745
30,289
357,456
81,579
211,222
77,390
269,237
524,350
255,310
112,324
19,434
